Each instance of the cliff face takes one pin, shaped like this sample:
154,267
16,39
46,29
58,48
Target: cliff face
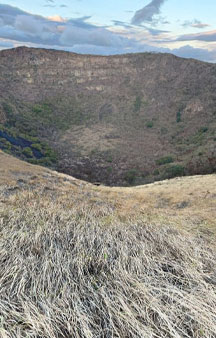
112,119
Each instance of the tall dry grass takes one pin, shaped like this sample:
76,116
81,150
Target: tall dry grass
79,272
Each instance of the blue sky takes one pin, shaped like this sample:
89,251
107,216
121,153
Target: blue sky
186,28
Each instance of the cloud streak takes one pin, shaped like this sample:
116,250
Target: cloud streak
209,36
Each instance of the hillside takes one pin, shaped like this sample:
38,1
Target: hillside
78,260
119,120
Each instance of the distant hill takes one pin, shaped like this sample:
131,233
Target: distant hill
120,120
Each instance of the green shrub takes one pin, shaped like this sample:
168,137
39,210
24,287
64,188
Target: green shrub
109,170
33,161
137,104
28,152
156,172
149,124
203,130
109,159
164,160
178,117
5,144
37,146
175,170
7,108
130,176
42,109
45,161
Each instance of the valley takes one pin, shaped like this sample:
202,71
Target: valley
118,120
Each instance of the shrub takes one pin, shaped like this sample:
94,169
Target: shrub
156,172
164,160
28,152
109,159
203,130
37,146
178,117
149,124
175,170
5,144
45,161
7,108
137,104
130,176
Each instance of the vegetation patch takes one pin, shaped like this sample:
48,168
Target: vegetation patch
178,117
130,176
149,124
137,104
174,171
200,136
165,160
26,147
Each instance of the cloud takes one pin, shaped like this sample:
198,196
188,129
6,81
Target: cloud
28,24
18,27
209,36
195,53
121,23
56,18
147,13
154,31
195,24
73,35
5,44
25,27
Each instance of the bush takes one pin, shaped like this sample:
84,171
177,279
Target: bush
203,130
175,170
178,117
164,160
7,108
45,161
130,176
149,124
28,152
156,172
37,146
137,104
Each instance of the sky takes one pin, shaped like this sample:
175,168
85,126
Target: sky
186,28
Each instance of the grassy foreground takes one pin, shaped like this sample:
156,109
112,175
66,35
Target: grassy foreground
76,261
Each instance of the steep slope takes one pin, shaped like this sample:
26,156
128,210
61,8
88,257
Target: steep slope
120,120
83,261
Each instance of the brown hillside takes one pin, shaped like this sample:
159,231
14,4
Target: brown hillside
120,120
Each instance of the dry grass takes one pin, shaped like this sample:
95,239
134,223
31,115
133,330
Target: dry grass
74,262
70,272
